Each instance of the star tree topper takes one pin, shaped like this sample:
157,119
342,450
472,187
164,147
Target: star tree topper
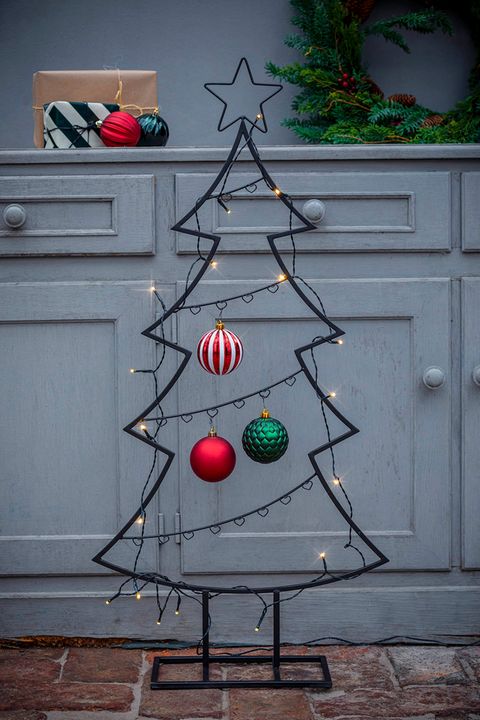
244,88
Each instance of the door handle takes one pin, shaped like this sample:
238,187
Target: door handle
476,375
314,210
434,378
14,215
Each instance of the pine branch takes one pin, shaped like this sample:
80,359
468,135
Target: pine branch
424,21
393,36
297,43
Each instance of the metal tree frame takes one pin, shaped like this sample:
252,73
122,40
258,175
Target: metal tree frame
206,590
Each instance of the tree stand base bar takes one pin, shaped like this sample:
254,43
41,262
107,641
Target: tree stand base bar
207,661
324,683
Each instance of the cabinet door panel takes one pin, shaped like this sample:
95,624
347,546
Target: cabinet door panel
80,215
471,423
470,212
363,211
69,472
396,470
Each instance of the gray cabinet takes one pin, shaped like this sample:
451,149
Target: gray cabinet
396,261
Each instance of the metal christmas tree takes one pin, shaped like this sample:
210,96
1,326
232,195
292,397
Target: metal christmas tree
265,439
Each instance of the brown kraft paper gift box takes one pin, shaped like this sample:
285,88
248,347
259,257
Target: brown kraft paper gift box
134,90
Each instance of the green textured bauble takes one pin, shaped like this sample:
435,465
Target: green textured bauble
265,439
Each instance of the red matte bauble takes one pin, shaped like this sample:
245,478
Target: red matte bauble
119,129
212,459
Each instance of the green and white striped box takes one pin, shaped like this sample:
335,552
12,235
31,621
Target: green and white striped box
72,124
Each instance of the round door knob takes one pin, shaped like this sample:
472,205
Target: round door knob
14,216
314,210
433,378
476,375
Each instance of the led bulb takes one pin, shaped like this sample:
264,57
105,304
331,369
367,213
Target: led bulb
142,426
177,612
158,622
322,556
139,520
152,288
259,116
132,370
336,481
138,595
214,264
332,394
107,602
281,278
277,191
339,342
257,629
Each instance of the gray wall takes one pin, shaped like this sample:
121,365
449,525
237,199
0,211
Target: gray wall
190,42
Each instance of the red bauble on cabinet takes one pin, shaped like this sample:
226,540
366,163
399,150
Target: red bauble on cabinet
212,458
119,129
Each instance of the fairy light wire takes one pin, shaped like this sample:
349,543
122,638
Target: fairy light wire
160,419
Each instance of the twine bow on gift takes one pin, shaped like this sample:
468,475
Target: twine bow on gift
128,107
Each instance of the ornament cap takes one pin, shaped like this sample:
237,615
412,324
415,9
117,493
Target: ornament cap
265,413
219,324
212,432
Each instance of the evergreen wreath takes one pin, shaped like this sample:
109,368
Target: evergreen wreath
340,103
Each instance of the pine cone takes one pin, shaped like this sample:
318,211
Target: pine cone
359,9
403,99
432,120
374,89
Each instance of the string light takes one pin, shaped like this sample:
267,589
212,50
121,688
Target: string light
107,602
138,595
322,556
143,427
259,116
152,288
336,481
213,264
277,191
332,394
339,342
139,520
132,370
281,278
224,206
262,616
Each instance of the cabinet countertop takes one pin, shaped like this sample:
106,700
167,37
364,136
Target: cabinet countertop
215,154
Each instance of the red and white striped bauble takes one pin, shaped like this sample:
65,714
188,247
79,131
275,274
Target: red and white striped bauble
219,351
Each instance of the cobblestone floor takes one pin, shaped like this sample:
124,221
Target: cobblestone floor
113,684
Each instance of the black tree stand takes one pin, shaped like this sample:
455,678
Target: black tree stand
206,660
